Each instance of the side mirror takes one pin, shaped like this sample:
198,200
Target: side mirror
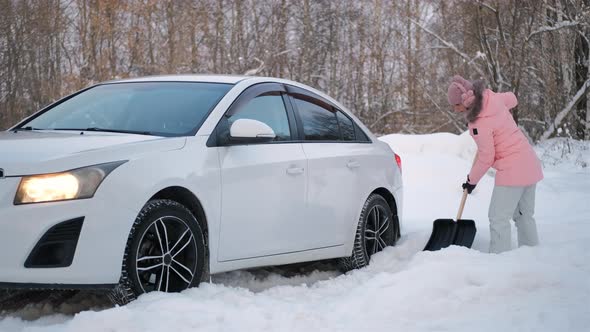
250,131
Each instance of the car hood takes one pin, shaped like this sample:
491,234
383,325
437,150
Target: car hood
37,152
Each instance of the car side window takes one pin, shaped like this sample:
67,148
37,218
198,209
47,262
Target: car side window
269,109
361,136
346,127
319,122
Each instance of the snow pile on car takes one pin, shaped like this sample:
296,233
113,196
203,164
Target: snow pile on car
545,288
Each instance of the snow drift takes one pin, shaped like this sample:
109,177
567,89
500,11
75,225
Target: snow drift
545,288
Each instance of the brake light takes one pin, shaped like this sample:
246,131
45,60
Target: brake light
398,160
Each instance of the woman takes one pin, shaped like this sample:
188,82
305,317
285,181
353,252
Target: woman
501,145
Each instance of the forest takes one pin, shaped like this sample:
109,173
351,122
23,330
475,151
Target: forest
390,62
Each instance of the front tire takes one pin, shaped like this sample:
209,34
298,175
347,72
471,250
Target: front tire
377,228
165,252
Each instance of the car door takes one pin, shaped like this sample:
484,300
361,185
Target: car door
263,185
334,162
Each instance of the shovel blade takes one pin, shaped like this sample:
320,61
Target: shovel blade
464,233
443,234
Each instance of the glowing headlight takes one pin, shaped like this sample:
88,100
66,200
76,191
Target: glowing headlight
53,187
75,184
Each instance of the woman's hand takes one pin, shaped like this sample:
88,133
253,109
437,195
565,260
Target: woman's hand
468,186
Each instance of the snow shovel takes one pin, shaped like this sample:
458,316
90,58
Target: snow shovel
446,232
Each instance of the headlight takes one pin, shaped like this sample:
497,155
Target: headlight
75,184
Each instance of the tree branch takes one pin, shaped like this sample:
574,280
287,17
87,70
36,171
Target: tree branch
532,121
485,46
441,126
483,4
566,110
445,112
558,26
255,71
383,116
451,46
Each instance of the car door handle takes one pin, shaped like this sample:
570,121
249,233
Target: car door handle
353,164
295,170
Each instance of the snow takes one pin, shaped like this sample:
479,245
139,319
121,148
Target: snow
545,288
560,153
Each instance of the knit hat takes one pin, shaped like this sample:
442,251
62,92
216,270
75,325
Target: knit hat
460,92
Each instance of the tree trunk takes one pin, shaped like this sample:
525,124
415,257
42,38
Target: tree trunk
587,132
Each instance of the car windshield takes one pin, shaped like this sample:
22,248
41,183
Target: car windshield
152,108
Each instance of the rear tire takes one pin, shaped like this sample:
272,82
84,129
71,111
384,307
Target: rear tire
165,252
377,228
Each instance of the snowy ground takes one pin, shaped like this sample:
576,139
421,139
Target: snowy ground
546,288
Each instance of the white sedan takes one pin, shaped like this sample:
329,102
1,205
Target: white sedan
152,184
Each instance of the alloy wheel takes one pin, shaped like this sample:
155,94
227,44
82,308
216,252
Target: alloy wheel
166,256
377,225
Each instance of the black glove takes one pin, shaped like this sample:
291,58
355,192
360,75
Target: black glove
468,186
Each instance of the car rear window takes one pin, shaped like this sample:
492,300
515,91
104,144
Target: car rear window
319,123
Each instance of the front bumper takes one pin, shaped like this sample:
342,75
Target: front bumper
98,254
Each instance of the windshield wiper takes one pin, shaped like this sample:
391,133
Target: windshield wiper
28,128
108,130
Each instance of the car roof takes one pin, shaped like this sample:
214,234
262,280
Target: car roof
231,79
227,79
235,79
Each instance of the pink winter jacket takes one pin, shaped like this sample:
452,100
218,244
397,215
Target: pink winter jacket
502,145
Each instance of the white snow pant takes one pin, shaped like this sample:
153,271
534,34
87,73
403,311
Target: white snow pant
517,203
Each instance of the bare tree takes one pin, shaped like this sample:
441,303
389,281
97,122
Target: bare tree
388,61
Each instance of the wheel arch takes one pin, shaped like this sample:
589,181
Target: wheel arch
388,197
188,199
351,260
383,192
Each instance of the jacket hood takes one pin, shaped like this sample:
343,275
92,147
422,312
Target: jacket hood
38,152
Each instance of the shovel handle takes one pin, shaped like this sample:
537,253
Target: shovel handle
465,193
462,206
